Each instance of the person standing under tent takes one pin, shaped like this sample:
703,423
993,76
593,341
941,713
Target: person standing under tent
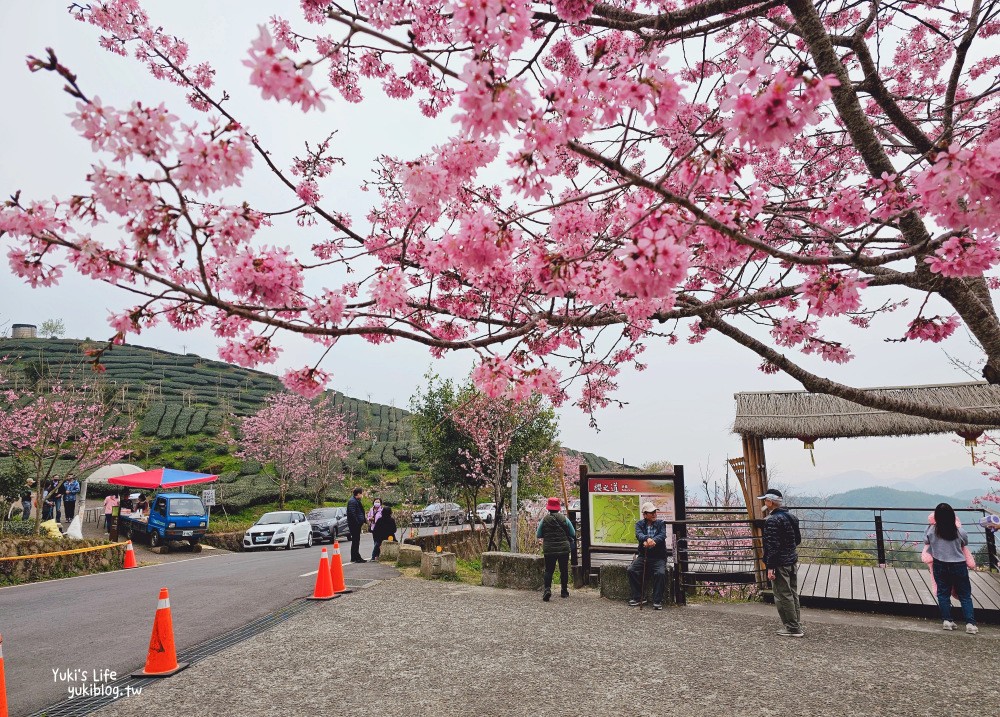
72,487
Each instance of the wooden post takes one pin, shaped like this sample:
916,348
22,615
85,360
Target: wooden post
756,480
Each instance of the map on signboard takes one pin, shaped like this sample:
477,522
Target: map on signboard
613,517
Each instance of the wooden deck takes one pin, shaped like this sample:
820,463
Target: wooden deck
904,591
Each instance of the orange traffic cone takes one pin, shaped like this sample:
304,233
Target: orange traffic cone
161,660
337,571
324,588
3,684
129,556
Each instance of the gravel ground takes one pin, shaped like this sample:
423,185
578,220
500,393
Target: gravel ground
448,648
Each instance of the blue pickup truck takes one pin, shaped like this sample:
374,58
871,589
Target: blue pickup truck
172,517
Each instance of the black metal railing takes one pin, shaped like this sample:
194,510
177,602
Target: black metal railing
719,550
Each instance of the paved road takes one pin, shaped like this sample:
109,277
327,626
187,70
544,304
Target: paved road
440,648
104,620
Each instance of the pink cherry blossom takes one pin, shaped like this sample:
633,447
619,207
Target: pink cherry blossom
607,183
934,329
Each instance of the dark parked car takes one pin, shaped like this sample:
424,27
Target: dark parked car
329,524
440,514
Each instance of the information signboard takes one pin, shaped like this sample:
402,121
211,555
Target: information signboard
615,505
208,496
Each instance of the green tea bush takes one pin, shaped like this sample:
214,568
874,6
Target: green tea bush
151,421
250,468
198,421
183,421
166,429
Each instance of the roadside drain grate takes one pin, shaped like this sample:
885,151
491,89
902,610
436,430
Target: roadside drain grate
79,706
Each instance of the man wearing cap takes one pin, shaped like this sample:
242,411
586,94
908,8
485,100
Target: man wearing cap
651,561
781,535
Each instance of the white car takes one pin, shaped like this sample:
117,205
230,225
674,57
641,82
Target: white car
279,529
486,512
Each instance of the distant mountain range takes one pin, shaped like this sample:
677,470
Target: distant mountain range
907,525
958,486
882,497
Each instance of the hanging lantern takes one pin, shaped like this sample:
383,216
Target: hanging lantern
971,439
809,443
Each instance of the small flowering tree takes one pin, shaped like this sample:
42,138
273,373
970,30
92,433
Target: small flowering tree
60,430
605,175
330,440
503,431
297,440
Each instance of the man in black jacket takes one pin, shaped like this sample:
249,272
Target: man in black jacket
781,535
355,519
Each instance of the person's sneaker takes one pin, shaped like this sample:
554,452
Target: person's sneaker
546,595
971,629
785,632
948,625
564,594
657,605
633,603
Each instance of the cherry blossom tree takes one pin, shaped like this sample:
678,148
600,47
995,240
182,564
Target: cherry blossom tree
608,175
60,430
502,430
297,440
331,441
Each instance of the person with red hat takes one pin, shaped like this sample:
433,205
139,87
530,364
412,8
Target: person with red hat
555,532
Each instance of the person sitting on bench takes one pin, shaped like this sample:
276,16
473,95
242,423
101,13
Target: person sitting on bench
651,561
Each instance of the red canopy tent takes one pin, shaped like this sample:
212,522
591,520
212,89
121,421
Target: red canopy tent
162,479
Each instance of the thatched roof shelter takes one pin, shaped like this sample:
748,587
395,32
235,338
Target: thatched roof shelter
808,416
798,414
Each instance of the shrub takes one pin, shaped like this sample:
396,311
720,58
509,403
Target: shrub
182,422
166,429
250,468
198,421
193,462
151,422
855,557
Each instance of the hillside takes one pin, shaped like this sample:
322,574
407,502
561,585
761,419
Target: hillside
859,524
181,402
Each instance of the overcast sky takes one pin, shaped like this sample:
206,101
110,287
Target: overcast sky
680,409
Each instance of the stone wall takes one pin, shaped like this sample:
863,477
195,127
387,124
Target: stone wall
62,566
518,571
226,541
614,583
464,543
